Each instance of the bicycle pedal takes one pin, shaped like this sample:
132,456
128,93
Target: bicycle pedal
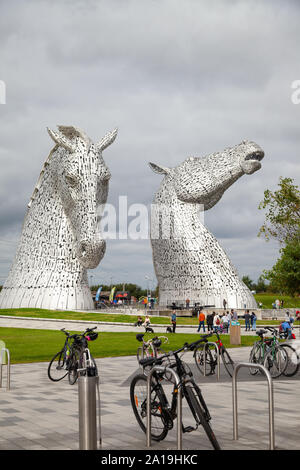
188,429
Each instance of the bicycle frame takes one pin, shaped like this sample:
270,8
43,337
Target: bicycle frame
183,381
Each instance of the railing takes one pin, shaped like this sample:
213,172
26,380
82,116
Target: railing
217,355
270,400
179,404
3,351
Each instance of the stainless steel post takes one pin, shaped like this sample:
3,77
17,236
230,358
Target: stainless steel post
218,357
87,412
3,351
179,405
270,400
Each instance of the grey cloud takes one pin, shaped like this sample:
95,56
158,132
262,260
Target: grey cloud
177,78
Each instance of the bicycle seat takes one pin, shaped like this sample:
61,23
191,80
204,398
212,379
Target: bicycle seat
140,336
261,332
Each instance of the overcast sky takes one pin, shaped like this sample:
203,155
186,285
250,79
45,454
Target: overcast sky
178,78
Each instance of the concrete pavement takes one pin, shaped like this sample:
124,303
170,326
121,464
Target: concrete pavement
40,414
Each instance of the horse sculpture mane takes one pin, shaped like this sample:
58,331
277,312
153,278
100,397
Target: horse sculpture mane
60,238
189,262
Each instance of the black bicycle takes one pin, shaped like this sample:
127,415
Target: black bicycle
211,360
74,358
162,413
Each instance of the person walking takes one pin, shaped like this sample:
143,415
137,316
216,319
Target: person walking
209,321
173,320
225,323
201,319
217,323
247,318
253,321
234,315
224,304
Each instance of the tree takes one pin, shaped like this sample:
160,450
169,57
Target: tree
260,286
283,216
285,274
249,283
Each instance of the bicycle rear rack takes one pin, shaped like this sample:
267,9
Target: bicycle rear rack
218,357
270,400
179,404
2,353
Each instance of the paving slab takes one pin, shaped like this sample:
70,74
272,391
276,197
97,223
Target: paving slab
39,414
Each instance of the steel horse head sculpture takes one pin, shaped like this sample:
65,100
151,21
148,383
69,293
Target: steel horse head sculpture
60,239
188,261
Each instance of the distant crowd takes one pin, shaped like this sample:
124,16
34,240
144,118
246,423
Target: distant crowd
220,323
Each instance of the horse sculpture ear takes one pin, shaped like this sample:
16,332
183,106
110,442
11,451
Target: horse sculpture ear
162,170
62,140
107,140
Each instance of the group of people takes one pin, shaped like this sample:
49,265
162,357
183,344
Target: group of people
250,321
221,323
277,304
215,322
141,322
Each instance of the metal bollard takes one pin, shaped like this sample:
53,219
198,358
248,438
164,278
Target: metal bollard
3,350
179,405
218,358
270,400
87,402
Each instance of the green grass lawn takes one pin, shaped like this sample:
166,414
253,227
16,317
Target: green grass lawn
106,317
268,299
29,345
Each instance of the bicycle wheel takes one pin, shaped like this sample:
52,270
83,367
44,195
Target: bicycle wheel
227,361
199,360
276,361
75,364
293,360
200,412
57,368
138,397
255,358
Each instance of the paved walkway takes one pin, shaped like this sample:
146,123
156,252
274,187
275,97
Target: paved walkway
39,414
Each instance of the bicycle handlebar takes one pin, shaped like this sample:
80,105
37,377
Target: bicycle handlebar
77,335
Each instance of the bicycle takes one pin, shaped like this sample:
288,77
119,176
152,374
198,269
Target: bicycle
293,357
163,414
211,357
269,353
150,348
74,357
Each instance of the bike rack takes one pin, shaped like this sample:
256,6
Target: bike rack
218,357
3,351
179,405
88,389
270,400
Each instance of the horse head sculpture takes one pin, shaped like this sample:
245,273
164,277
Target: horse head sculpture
193,265
60,237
